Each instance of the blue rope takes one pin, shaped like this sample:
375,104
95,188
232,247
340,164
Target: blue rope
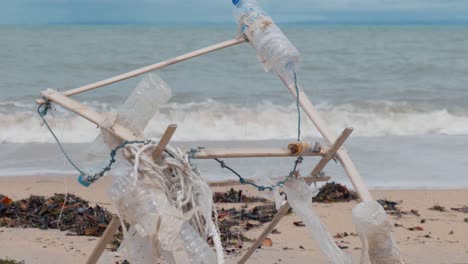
298,107
84,178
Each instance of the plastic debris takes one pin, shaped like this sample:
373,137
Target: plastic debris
300,198
439,208
334,192
274,50
233,196
375,232
463,209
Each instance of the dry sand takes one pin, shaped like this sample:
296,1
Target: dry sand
443,240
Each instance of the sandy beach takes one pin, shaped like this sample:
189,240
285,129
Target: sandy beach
443,238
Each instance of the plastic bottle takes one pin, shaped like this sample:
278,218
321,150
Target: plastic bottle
300,198
375,232
196,247
274,50
144,102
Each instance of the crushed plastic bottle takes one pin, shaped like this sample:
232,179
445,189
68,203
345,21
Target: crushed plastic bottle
300,198
196,247
375,232
274,50
135,114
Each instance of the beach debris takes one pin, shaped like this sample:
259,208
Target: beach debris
233,196
299,223
334,192
43,212
466,220
263,213
388,205
438,208
11,261
463,209
416,228
267,242
276,231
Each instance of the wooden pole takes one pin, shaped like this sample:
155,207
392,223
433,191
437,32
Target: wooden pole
281,213
252,152
342,154
115,223
89,114
143,70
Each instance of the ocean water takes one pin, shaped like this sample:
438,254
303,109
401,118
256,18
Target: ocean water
403,88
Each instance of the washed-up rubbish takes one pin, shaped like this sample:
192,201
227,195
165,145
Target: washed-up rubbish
334,192
267,242
262,213
375,232
416,228
168,205
11,261
42,212
274,50
388,205
463,209
233,196
439,208
300,198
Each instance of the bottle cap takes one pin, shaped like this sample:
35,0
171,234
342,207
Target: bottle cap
235,2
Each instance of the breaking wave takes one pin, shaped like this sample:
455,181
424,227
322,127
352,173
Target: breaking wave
211,120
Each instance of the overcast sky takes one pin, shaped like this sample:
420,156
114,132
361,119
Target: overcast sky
220,11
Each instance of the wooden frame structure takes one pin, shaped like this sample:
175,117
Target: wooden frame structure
335,150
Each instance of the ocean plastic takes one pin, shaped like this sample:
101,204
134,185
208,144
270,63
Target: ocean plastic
196,247
299,196
375,232
135,114
274,50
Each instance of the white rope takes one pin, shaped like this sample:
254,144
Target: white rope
185,190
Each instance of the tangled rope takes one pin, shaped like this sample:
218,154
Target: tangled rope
170,180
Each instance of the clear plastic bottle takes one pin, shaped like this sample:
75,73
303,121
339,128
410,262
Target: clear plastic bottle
196,247
274,50
375,232
300,198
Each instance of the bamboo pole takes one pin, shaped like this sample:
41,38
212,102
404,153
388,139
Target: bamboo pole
146,69
323,128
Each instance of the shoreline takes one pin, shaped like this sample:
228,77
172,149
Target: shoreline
442,240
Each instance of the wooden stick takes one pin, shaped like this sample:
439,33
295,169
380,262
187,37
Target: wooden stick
322,127
89,114
166,137
252,153
152,67
332,151
308,180
105,239
281,213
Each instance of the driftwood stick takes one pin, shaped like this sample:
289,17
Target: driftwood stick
152,67
330,154
281,213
